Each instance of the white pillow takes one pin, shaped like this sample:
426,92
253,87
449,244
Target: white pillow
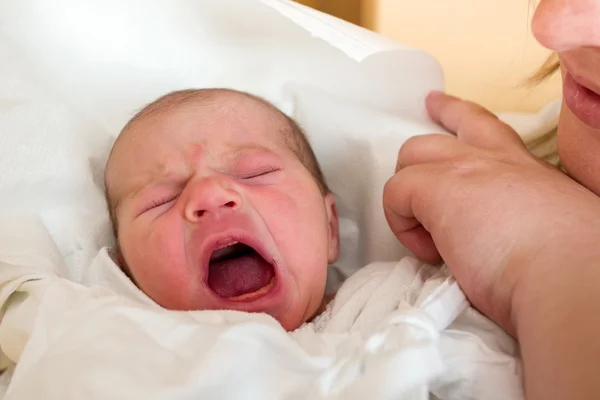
72,73
51,161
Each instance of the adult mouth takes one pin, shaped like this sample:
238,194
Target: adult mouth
239,269
582,101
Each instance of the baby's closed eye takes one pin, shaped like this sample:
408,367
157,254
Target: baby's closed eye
259,172
158,202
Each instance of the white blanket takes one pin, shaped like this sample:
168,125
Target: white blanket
395,331
72,72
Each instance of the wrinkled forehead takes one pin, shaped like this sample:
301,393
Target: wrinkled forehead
212,128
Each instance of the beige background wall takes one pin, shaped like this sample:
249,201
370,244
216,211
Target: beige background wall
349,10
484,46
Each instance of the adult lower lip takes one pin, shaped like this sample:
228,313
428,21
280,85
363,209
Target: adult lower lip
583,102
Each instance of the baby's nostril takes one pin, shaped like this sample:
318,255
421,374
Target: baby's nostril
199,213
230,204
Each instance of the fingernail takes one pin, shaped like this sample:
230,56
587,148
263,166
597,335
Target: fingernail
434,97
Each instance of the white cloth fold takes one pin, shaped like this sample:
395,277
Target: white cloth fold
395,330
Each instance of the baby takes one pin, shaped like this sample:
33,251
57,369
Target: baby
218,202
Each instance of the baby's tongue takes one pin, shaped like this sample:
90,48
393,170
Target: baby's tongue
241,275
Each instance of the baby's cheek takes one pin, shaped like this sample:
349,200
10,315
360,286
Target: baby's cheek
298,224
292,220
163,272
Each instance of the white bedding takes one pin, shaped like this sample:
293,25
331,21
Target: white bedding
79,70
395,331
71,74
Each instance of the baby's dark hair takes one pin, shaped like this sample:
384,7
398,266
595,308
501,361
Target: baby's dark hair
293,136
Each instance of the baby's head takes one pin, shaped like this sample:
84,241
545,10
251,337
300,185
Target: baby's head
218,202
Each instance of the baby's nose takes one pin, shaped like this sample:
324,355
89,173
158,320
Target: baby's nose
563,25
211,197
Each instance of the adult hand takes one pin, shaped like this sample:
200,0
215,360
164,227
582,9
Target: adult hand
496,215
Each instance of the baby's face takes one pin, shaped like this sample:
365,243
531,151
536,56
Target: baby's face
215,212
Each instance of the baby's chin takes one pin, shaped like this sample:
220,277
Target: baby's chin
289,312
177,292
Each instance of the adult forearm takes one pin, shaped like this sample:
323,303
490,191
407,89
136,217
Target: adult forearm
557,320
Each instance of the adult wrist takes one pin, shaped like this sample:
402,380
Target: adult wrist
556,317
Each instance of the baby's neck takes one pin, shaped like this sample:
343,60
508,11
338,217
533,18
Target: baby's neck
326,300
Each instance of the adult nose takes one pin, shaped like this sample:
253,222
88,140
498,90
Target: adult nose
563,25
211,197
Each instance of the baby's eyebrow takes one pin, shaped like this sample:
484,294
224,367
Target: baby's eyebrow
245,147
164,178
238,151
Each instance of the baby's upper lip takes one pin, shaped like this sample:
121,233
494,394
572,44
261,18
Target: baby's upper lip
232,237
231,233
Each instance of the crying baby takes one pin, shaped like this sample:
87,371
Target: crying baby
218,202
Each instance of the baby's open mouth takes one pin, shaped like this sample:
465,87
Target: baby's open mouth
238,272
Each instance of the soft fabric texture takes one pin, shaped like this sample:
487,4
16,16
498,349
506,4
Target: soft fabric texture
395,330
68,85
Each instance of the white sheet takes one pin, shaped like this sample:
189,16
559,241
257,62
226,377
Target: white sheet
395,331
71,74
81,69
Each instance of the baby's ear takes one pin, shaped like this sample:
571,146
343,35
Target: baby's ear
334,228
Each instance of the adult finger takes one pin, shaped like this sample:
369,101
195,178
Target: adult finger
409,210
429,148
472,123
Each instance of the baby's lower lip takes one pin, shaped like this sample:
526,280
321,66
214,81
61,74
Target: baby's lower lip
248,297
583,102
